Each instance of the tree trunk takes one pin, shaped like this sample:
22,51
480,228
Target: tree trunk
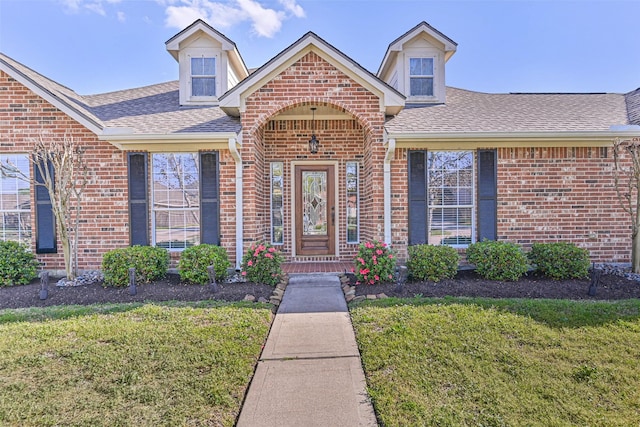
66,249
635,252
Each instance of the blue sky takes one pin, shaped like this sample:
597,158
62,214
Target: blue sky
95,46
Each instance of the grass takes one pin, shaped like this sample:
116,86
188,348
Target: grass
128,364
482,362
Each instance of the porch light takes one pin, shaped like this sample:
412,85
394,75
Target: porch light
313,142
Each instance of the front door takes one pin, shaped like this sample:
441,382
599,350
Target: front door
315,210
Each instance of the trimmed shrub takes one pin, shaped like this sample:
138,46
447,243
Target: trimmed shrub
262,263
374,263
195,260
151,264
429,262
560,260
18,266
497,260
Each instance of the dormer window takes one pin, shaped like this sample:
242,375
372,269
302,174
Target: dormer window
203,76
421,77
209,64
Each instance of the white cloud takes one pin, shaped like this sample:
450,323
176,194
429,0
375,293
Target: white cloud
71,5
95,6
293,7
121,16
265,22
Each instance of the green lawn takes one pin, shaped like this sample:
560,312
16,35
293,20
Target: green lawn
481,362
128,364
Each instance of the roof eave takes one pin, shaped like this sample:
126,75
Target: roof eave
461,140
125,139
69,109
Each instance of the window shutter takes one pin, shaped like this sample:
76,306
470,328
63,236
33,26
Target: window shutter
138,200
209,202
417,197
46,241
487,195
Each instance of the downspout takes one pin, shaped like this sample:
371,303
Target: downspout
233,148
391,148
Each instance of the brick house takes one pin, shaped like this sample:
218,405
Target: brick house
223,155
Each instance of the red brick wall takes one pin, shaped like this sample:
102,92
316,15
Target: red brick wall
544,195
562,194
400,203
24,117
227,177
311,81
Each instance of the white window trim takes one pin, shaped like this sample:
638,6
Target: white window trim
418,76
154,210
203,76
185,75
473,197
438,74
27,236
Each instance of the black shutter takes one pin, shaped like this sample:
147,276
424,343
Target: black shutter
417,197
138,199
46,242
487,195
209,201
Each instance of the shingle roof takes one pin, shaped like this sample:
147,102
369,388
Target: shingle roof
467,111
156,110
59,94
633,106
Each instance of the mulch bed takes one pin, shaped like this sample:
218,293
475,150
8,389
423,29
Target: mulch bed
168,289
468,284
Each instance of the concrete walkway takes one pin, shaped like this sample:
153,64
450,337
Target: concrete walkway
310,372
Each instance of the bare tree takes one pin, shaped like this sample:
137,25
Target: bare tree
627,181
61,164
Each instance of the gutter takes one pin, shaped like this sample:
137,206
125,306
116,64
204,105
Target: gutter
233,148
510,139
389,156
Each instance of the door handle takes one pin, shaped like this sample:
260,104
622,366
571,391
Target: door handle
333,215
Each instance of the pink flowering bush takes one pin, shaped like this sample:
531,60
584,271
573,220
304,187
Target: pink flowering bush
374,263
262,264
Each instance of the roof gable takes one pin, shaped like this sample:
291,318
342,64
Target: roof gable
173,44
199,27
232,102
61,97
448,46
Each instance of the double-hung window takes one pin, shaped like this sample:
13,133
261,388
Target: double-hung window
450,195
15,201
203,76
176,200
421,77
